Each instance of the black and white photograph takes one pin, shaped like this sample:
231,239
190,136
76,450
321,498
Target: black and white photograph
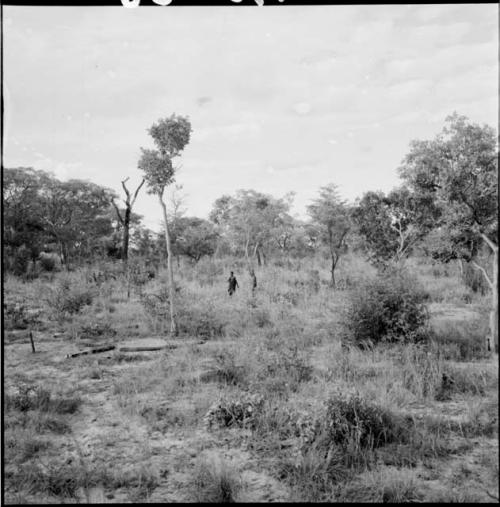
249,252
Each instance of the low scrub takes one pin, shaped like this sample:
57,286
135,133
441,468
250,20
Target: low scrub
18,316
60,480
215,481
68,297
240,411
282,366
38,398
353,423
461,340
385,486
195,315
422,370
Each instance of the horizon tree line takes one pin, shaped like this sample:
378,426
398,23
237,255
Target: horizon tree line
446,206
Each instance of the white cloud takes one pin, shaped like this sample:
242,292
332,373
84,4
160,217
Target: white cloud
266,111
302,108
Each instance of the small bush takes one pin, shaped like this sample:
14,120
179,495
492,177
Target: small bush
37,398
47,263
56,480
96,330
18,316
227,369
215,481
240,411
20,261
354,421
140,479
68,297
389,308
22,446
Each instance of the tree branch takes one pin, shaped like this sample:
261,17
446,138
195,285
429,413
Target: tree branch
488,279
490,243
125,188
137,191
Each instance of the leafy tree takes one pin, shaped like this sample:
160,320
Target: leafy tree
195,237
22,221
392,225
458,172
332,221
75,214
42,212
170,135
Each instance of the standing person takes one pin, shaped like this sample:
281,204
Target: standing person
233,283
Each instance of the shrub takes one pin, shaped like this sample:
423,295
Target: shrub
57,480
20,261
390,307
38,398
354,423
47,262
96,330
240,411
69,297
18,316
227,369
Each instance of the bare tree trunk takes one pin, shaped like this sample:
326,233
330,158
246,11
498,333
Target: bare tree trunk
126,235
493,283
332,270
259,262
173,323
251,270
254,281
494,302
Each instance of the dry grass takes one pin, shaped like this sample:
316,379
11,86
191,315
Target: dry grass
280,349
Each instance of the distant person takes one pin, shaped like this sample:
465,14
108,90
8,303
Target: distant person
233,283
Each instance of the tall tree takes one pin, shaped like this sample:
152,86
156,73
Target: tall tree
331,219
458,171
170,135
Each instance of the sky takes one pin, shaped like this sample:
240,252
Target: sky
283,98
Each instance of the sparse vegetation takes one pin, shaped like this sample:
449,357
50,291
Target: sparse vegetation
351,364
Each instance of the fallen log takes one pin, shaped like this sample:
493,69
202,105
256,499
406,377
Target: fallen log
144,349
92,351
